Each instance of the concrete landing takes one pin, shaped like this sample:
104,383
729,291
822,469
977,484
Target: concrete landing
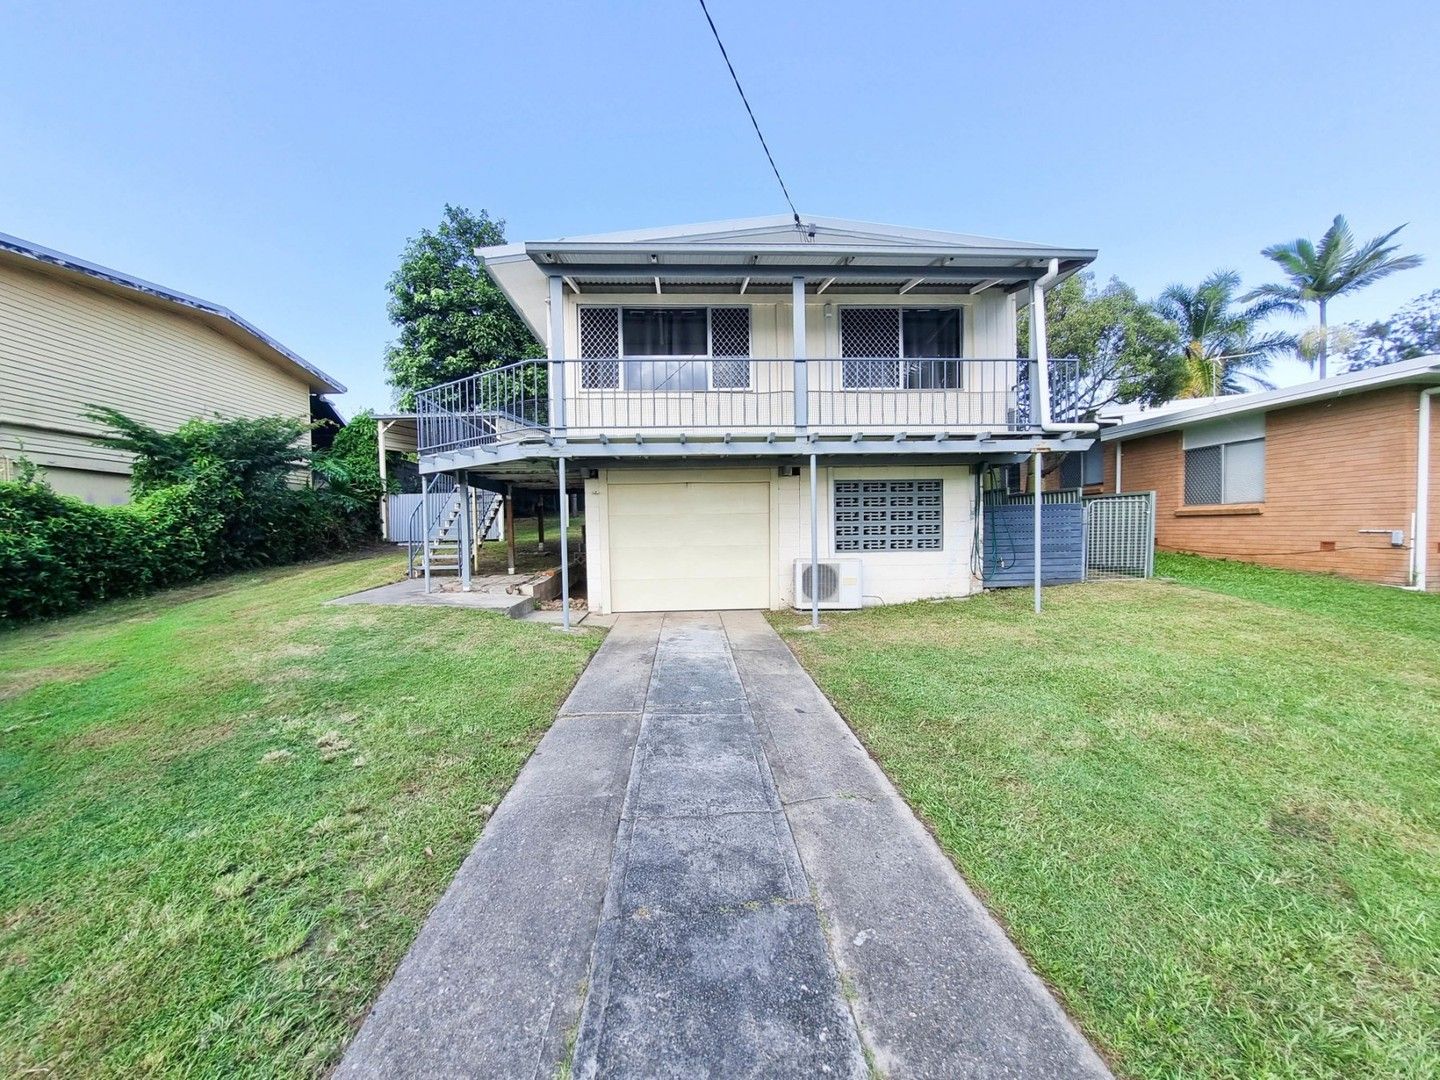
488,593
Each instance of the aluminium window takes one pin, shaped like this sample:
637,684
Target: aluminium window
1083,468
925,345
1230,472
888,515
666,349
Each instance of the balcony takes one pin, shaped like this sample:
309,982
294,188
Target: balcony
591,404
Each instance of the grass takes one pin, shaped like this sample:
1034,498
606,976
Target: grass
225,811
1208,809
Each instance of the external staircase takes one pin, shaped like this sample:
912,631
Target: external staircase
449,521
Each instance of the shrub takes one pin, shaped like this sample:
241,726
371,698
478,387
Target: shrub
214,497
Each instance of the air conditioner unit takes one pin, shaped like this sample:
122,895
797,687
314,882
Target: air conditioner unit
836,583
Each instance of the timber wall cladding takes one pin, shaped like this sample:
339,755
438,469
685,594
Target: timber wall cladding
1332,469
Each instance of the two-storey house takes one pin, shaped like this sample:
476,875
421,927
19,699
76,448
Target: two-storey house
752,408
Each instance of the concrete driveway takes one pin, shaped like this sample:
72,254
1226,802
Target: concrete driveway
701,872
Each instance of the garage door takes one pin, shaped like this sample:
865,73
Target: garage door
689,547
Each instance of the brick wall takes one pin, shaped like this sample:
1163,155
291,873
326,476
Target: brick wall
1332,468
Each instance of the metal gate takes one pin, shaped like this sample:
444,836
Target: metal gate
1120,535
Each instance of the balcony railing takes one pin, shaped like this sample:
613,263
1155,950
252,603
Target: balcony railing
678,396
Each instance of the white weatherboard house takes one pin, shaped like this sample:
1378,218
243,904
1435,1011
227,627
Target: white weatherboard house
750,406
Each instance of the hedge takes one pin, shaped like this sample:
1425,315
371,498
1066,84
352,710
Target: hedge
59,554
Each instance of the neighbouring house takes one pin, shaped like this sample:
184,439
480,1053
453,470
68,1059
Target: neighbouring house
762,413
74,334
1332,476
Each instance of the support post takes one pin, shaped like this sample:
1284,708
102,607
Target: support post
564,550
1039,513
464,540
802,374
380,429
814,547
425,482
540,522
556,354
510,529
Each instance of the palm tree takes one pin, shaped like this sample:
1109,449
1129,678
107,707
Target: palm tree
1223,349
1319,273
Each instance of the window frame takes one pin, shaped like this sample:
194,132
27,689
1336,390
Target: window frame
709,358
902,367
1224,449
937,484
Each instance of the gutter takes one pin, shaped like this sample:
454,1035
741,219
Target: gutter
1420,541
1040,353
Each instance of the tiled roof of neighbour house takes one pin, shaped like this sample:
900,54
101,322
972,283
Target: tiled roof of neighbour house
221,318
1423,370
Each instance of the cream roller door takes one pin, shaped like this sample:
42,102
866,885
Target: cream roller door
689,546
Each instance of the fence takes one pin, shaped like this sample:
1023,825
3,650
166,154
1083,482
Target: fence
401,520
1094,537
1009,559
1120,535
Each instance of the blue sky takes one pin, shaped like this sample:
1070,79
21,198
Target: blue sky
274,157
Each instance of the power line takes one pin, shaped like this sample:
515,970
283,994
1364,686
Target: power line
755,123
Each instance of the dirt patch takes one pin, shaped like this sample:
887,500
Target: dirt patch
1301,821
22,682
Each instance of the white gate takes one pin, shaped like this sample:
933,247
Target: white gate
1120,535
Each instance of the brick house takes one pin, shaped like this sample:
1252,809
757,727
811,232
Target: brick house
1335,476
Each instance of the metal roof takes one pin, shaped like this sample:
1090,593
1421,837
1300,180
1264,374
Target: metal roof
1423,370
204,309
764,255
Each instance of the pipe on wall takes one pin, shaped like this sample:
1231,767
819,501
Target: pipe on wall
1421,538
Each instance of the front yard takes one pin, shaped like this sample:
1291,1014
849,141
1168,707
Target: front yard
224,812
1208,810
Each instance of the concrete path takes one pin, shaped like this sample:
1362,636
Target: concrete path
701,872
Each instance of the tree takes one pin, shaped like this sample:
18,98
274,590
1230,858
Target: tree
1126,351
350,469
1412,331
1220,345
453,320
1319,273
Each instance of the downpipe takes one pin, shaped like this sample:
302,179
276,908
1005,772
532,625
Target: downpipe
1420,533
1040,354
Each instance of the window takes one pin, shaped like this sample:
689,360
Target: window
888,515
1083,468
1225,462
665,349
924,342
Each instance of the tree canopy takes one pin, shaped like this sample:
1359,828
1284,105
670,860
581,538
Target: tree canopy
1412,331
1223,350
1127,352
1317,273
452,319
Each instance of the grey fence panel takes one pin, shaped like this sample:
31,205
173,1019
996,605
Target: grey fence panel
1120,535
1024,498
401,518
1009,557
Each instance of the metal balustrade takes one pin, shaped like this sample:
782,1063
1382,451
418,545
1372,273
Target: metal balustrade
663,396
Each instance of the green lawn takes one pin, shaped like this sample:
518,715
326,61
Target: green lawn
1208,809
224,812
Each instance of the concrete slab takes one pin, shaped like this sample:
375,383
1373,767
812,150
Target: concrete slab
493,985
939,989
690,864
411,592
696,855
691,765
618,675
741,993
695,682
